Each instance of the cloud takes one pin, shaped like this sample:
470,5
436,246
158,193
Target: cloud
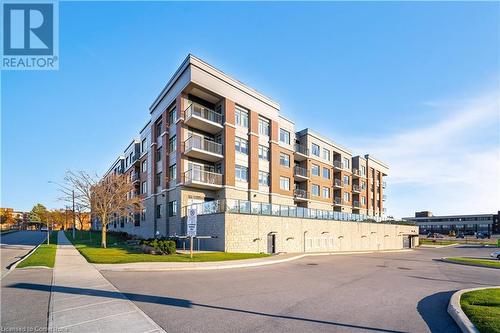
449,166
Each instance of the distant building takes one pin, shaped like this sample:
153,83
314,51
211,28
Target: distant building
428,222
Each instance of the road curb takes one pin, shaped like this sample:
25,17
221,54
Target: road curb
430,246
445,259
14,265
455,311
201,266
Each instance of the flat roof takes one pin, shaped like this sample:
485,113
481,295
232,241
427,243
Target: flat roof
309,131
447,216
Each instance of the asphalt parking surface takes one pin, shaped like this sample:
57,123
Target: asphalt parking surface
380,292
17,244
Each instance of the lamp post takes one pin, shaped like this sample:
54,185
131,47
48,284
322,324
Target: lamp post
74,221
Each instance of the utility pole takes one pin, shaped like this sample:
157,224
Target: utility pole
74,221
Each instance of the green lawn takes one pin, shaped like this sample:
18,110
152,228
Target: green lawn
45,255
119,252
483,309
482,262
432,241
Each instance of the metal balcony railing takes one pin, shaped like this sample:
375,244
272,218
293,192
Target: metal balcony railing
355,172
356,204
337,201
302,149
198,142
337,164
300,193
300,171
206,177
337,182
356,188
134,176
198,110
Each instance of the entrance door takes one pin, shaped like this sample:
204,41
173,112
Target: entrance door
271,243
406,242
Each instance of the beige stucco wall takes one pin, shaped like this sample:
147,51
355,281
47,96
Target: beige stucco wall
249,233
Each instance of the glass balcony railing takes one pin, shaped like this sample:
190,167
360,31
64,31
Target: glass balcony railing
337,182
198,110
205,177
198,142
356,188
301,149
300,171
337,164
300,193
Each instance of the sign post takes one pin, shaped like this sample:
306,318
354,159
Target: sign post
192,219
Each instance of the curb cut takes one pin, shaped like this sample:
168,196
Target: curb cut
455,311
14,265
109,267
445,259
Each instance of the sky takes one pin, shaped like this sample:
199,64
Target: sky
415,84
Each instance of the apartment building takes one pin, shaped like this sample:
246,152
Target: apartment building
215,143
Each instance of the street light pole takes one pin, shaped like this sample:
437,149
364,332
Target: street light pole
74,222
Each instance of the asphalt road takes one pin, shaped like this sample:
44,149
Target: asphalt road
15,245
383,292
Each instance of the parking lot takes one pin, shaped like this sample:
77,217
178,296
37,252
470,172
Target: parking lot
380,292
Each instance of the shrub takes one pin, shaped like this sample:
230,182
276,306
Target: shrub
162,246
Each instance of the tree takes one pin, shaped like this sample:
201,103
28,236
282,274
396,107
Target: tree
39,213
104,198
6,216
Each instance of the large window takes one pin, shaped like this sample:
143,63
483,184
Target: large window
326,173
363,201
363,170
315,170
172,144
285,183
158,154
264,153
241,145
315,149
346,163
159,128
326,192
241,117
346,197
158,179
346,180
241,173
172,116
144,145
144,187
284,136
172,172
326,154
172,208
158,211
285,160
144,166
315,190
264,178
263,126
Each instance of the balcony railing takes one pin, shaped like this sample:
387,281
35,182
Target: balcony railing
384,197
203,112
234,206
337,182
300,171
337,201
198,142
384,184
356,204
204,177
134,176
356,188
300,193
302,149
337,164
355,172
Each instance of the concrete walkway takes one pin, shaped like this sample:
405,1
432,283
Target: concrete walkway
82,300
211,265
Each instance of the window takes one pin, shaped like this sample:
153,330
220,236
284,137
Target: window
346,163
363,185
143,214
346,180
241,117
285,183
172,116
131,157
315,190
172,172
158,211
363,170
264,178
315,149
285,160
158,179
159,128
144,144
315,170
144,166
172,144
346,196
284,136
326,173
241,173
158,154
263,153
363,201
263,126
144,187
172,208
326,192
326,154
241,145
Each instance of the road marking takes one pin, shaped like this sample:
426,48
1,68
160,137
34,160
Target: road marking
88,305
97,319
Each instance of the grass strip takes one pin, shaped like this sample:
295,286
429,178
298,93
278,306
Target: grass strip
44,255
483,309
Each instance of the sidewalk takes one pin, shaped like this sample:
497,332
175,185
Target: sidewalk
210,265
82,300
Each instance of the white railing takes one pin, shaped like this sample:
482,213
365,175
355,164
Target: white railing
198,110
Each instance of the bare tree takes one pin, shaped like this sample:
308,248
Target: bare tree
112,196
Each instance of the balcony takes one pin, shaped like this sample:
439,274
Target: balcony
337,165
202,179
337,201
300,195
301,152
198,147
384,197
134,177
356,188
356,204
384,184
300,173
337,183
355,173
200,117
